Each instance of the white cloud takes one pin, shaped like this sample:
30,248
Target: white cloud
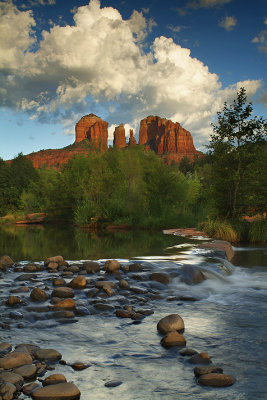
98,65
261,40
228,23
139,26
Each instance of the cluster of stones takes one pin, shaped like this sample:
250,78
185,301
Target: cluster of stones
207,374
22,369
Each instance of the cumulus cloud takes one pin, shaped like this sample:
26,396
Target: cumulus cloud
228,23
98,65
261,39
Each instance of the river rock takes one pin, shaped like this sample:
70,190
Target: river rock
172,322
79,282
160,277
61,391
216,380
107,289
64,314
100,284
136,267
124,313
7,390
79,365
187,352
6,260
172,339
25,277
200,358
91,267
123,284
198,371
52,266
111,266
112,384
55,259
27,348
59,282
220,245
16,315
5,348
28,389
63,292
74,268
26,371
31,267
15,359
66,304
11,377
191,275
13,300
38,294
21,289
54,379
47,355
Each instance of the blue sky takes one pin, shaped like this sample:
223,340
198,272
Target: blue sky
125,60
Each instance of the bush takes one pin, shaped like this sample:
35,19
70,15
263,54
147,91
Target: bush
258,231
222,230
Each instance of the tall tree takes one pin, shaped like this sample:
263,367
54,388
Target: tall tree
236,138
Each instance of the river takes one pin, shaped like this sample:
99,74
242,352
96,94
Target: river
227,319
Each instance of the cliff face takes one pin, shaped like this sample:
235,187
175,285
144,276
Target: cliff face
93,128
119,137
167,138
132,141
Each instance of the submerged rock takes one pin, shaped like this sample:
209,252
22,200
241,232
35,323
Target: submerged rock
60,391
198,371
172,339
200,358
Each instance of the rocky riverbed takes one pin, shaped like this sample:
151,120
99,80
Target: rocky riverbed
58,294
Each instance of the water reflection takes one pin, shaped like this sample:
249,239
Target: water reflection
38,242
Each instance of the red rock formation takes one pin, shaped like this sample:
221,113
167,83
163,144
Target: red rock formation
93,128
167,138
119,137
132,141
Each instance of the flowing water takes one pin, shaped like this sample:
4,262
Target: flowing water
227,319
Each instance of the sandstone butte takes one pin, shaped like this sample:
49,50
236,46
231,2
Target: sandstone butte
168,139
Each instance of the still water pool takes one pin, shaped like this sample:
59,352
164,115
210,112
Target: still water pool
227,320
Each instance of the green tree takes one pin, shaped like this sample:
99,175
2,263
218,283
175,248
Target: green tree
235,138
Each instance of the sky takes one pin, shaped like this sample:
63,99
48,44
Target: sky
124,60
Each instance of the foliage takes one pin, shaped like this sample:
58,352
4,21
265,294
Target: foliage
220,229
258,231
237,157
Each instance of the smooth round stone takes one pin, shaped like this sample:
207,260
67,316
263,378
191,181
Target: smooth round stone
11,377
61,391
66,304
74,268
107,289
59,282
25,277
200,358
15,359
52,266
26,371
63,292
38,294
79,366
13,300
91,267
47,355
187,352
64,314
124,314
112,384
55,259
172,322
111,265
123,284
198,371
21,289
138,290
54,379
172,339
216,380
160,277
191,275
27,348
79,282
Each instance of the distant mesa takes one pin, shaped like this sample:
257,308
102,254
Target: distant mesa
166,138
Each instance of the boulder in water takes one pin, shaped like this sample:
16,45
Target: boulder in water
172,322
